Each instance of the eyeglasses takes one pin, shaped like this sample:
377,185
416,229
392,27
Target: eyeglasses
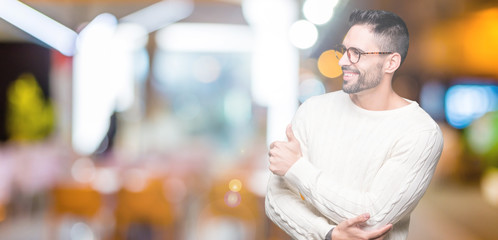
354,54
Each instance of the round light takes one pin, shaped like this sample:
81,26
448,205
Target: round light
310,87
465,103
328,64
81,230
235,185
83,170
303,34
319,11
232,199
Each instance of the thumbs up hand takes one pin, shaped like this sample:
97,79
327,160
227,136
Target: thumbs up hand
284,154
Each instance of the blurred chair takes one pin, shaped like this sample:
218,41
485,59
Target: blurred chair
79,202
144,214
231,215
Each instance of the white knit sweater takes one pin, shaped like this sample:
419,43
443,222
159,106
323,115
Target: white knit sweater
354,161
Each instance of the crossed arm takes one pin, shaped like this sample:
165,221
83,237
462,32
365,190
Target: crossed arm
397,199
283,205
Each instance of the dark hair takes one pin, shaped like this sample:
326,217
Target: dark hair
390,30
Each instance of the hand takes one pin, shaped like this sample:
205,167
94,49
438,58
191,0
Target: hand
351,229
284,154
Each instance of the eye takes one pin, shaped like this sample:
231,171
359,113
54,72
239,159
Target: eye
355,52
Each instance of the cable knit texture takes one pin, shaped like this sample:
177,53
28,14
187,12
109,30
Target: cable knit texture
354,161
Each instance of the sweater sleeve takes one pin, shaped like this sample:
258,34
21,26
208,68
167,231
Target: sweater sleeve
396,189
285,207
288,211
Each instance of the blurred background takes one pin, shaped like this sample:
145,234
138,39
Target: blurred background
147,119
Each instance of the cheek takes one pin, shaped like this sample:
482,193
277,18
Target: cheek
363,70
372,69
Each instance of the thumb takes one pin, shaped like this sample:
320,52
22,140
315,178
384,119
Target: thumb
359,219
290,133
380,233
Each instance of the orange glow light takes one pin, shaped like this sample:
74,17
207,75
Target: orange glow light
328,64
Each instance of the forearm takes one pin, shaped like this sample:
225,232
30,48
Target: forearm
287,210
335,201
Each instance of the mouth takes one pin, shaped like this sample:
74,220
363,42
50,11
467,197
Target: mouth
348,75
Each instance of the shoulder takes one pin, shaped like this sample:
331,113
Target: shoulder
318,107
418,121
421,118
323,107
327,99
416,128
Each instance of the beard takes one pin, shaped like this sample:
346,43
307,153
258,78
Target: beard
365,81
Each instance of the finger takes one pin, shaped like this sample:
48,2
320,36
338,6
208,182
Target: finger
272,153
271,164
380,238
380,233
359,219
272,168
290,133
274,145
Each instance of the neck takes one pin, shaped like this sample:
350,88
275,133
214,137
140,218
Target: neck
380,98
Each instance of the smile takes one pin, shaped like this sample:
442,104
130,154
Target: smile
347,75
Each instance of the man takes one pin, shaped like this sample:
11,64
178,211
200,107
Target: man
357,161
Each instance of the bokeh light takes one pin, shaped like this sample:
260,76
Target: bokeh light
235,185
134,180
489,186
81,231
83,170
465,103
310,87
106,181
319,11
482,134
303,34
328,64
232,199
275,13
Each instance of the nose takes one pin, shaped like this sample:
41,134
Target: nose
344,60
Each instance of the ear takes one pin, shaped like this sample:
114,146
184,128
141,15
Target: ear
392,62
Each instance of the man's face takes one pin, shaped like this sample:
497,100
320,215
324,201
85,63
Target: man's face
367,72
